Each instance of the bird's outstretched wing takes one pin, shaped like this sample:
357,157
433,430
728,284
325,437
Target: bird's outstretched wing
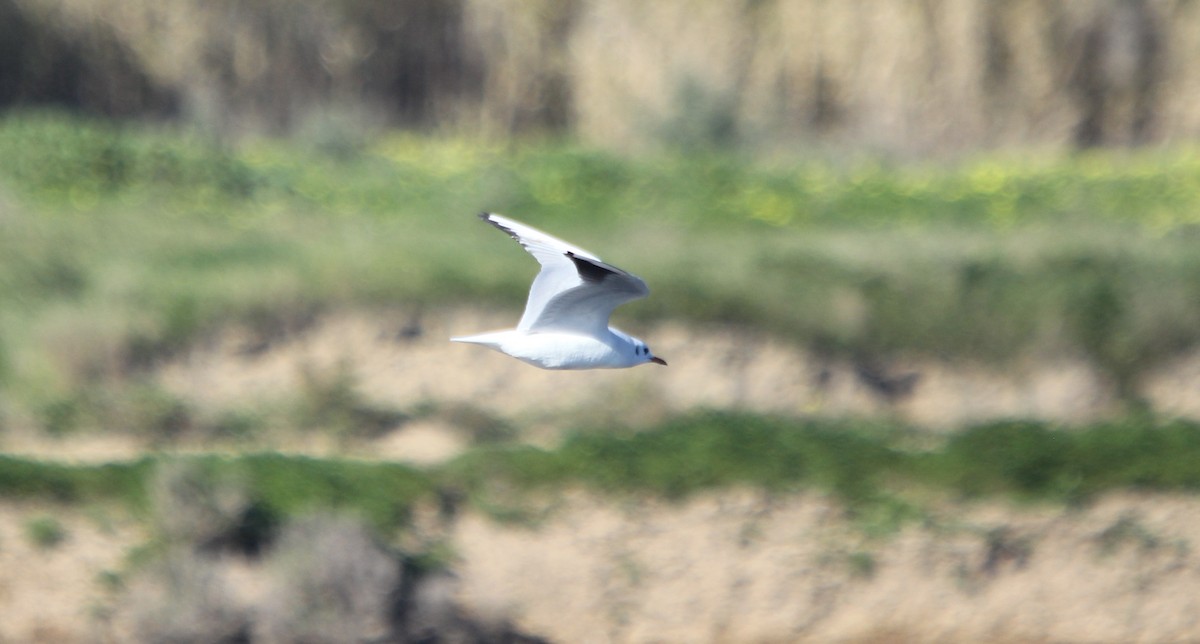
575,291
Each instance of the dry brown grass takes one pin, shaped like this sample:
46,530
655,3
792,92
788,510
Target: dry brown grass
330,582
736,567
729,566
910,77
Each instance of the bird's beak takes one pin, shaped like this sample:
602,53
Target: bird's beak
658,360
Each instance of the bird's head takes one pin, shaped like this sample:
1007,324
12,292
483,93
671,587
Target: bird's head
643,353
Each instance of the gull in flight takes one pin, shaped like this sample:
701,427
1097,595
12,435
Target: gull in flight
565,325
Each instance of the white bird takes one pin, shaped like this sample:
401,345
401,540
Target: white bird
565,325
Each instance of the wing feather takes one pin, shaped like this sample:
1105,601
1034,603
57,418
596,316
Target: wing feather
575,291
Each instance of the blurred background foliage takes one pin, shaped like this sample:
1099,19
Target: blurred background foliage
980,182
977,182
124,244
908,78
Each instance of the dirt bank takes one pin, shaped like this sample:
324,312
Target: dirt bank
734,566
404,359
738,567
53,589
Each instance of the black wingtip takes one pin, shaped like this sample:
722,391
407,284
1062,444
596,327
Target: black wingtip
588,270
487,216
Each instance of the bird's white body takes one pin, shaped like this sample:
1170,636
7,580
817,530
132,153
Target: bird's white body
562,350
565,324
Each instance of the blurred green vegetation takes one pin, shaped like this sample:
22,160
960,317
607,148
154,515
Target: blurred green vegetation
22,478
877,469
45,532
856,460
78,162
124,244
281,486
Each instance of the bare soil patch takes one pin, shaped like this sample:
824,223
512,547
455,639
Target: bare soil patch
405,359
402,360
56,592
740,567
730,566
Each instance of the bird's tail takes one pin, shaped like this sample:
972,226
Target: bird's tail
486,339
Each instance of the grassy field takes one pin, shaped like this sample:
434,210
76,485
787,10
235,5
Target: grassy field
123,244
125,247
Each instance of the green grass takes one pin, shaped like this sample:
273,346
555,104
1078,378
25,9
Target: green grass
383,493
45,532
22,478
281,485
694,453
123,245
876,469
857,461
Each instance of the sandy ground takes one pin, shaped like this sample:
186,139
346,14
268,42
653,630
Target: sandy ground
405,359
57,593
734,566
737,567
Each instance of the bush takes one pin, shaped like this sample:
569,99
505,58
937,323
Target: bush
183,597
45,532
331,582
199,505
331,402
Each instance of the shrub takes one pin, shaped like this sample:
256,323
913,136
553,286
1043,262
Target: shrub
45,532
183,597
331,582
331,402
